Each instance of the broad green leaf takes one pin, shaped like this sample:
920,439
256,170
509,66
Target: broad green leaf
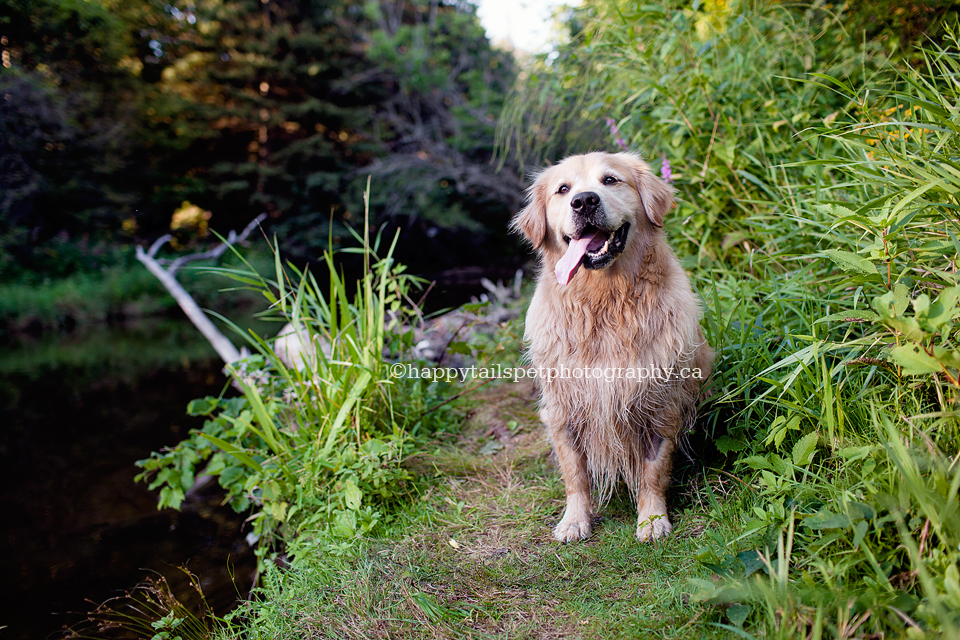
277,509
914,360
855,453
859,531
805,448
352,496
202,406
861,511
849,316
836,210
726,444
752,562
951,584
769,479
706,592
827,520
738,613
909,327
944,309
947,357
892,303
170,497
921,304
460,347
778,430
232,475
849,261
345,524
757,462
234,451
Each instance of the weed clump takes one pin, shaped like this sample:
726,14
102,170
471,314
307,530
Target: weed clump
314,451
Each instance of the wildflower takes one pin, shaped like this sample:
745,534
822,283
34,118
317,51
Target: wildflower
616,134
665,171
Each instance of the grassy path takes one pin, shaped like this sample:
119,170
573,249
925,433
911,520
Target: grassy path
473,557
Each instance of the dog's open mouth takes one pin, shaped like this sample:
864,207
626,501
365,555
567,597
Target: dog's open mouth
594,249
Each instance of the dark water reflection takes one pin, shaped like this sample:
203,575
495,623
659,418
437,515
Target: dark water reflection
76,411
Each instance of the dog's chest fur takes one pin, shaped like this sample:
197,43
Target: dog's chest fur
608,322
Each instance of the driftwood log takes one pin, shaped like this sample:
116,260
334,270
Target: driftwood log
293,345
166,273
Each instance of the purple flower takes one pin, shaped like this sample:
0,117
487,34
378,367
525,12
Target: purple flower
616,134
665,171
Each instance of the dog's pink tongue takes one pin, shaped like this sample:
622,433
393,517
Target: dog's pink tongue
567,265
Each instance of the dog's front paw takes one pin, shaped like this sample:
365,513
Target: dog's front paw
572,529
653,526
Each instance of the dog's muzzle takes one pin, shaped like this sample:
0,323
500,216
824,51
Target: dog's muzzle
587,210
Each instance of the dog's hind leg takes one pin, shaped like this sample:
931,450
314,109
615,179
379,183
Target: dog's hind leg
652,522
576,523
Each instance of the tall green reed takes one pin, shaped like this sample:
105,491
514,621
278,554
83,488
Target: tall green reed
817,195
315,450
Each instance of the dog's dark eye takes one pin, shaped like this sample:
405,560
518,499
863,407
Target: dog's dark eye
610,180
563,189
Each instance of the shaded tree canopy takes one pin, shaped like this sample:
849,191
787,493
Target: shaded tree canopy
114,113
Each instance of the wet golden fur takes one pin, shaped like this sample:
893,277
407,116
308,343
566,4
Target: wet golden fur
638,312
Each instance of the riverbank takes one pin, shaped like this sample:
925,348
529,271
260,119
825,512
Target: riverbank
120,292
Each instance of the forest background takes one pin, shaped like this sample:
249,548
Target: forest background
124,121
814,152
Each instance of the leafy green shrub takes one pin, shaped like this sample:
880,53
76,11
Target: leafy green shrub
817,191
903,247
315,453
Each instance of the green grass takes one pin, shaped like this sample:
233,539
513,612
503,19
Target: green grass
472,556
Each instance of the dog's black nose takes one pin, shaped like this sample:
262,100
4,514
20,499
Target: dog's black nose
585,203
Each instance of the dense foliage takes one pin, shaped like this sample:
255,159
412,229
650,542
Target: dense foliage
313,445
115,113
817,179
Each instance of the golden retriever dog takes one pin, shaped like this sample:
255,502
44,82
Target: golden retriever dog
614,331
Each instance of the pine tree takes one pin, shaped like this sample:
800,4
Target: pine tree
447,86
305,98
280,87
63,118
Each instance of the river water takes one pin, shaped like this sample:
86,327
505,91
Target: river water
76,412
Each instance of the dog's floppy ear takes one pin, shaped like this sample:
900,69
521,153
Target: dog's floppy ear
655,194
532,220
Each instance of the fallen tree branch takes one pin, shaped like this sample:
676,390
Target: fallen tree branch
167,277
216,252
